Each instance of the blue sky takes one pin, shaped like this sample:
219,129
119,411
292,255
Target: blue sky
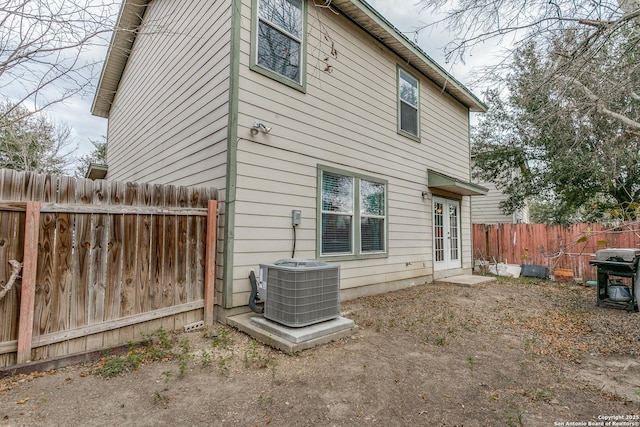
406,15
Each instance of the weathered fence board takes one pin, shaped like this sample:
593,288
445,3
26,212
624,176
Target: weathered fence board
181,254
113,276
11,248
114,261
552,246
6,303
28,291
64,266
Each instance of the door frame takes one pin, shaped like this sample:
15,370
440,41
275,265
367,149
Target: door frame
444,255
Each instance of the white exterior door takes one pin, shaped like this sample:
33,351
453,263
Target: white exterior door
446,234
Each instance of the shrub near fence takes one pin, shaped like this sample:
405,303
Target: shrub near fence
552,246
112,262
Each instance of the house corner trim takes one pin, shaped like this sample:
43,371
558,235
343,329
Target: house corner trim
232,136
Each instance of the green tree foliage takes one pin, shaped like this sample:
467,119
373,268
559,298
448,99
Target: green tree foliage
578,155
32,142
97,156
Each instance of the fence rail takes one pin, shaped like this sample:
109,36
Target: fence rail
552,246
103,263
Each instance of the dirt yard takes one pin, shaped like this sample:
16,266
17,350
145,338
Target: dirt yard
508,353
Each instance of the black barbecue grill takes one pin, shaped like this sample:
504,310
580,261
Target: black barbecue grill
618,278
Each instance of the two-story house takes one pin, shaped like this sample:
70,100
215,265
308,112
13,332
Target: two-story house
296,105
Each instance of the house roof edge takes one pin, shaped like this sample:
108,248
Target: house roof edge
380,28
132,13
127,26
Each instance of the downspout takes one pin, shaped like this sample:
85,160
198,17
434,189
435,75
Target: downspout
232,143
470,198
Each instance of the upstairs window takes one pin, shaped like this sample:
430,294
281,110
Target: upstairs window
279,47
408,104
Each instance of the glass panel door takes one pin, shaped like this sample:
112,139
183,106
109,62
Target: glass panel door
446,234
454,235
438,231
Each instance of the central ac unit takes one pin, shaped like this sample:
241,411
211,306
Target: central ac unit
299,292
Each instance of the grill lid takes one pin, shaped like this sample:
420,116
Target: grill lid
618,254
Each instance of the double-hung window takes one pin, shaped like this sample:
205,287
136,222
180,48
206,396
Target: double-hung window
353,215
408,104
278,50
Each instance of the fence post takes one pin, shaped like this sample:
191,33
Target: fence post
210,263
29,270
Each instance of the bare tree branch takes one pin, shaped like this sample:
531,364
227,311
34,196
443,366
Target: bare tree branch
600,103
45,49
15,274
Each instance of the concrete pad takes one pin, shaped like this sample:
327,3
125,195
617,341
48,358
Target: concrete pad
465,280
292,340
298,335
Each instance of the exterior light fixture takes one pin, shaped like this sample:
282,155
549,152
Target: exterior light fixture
259,127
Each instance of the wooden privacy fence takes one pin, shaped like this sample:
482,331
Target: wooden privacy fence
552,246
103,263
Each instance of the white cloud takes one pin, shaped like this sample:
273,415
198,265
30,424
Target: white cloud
86,127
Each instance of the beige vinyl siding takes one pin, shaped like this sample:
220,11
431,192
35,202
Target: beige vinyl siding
486,210
346,120
275,182
168,122
522,215
362,84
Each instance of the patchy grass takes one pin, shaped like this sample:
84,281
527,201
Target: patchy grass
155,347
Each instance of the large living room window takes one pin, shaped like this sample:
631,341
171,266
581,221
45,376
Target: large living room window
279,40
353,215
408,104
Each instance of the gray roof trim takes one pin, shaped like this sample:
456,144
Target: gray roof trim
454,185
